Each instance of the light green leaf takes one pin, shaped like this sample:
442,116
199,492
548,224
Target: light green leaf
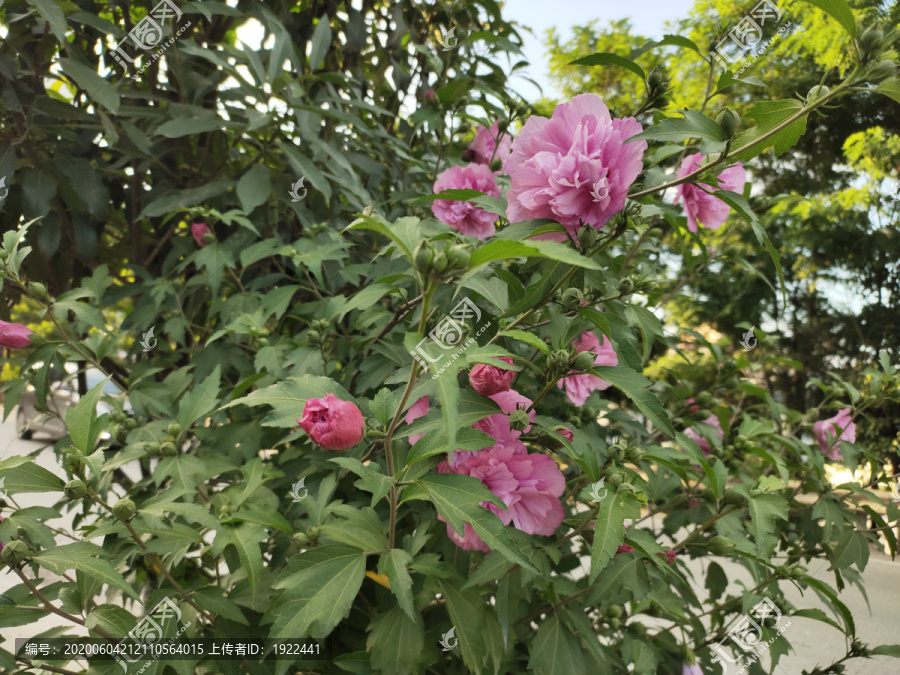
382,406
768,115
435,443
246,538
393,564
370,479
764,509
528,338
503,250
607,59
467,614
635,386
852,548
380,225
841,11
321,41
254,187
890,88
692,125
99,90
470,408
320,586
29,478
88,559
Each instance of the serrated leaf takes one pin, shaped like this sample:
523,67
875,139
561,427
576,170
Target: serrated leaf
555,651
467,613
609,528
382,406
503,250
88,559
30,477
635,387
81,421
395,644
393,564
692,125
764,510
200,400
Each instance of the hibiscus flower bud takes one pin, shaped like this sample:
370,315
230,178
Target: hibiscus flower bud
870,41
615,611
124,509
431,98
729,120
301,539
559,358
332,423
496,164
625,286
153,449
313,533
168,450
615,479
655,78
502,125
587,236
14,552
572,298
488,380
423,257
817,92
199,231
38,290
518,420
733,497
634,454
883,70
440,263
75,489
458,257
314,337
14,335
174,428
584,360
720,546
73,463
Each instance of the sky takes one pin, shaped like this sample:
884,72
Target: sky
648,17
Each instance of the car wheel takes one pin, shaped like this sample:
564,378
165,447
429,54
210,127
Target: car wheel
24,432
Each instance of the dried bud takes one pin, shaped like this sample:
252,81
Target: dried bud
625,286
720,546
729,120
14,552
584,360
75,489
587,236
124,509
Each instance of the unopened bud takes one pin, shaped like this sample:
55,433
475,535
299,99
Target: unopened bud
655,78
560,358
124,509
572,298
38,290
313,533
130,423
584,360
209,238
634,454
75,489
301,539
518,420
168,450
720,546
458,257
729,120
733,497
625,286
313,337
440,263
174,428
615,611
883,70
496,164
73,463
870,40
502,125
587,236
153,449
422,257
615,479
817,92
14,552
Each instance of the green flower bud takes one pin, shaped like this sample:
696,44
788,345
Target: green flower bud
502,125
3,254
313,337
518,420
263,342
209,238
73,463
614,611
130,423
634,454
440,263
174,428
616,452
615,479
720,546
153,449
458,257
423,257
301,539
704,399
883,70
168,450
615,624
14,552
38,290
625,286
75,489
124,509
584,360
654,611
122,435
321,325
560,358
733,497
662,102
870,41
817,92
741,441
587,236
639,629
313,533
729,120
571,298
655,78
729,363
496,164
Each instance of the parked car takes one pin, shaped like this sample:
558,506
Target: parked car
30,422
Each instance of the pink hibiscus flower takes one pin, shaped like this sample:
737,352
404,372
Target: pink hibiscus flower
465,217
700,207
579,387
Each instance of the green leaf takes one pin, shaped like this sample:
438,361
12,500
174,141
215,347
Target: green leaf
97,88
476,197
321,41
692,125
635,386
668,39
607,59
53,15
320,586
764,509
370,479
491,568
467,614
81,421
768,115
852,548
88,559
255,513
212,599
112,619
254,187
555,651
435,443
502,250
395,644
449,393
739,204
841,11
380,225
246,538
200,400
609,528
470,408
885,650
890,88
393,564
182,199
304,167
189,126
30,478
458,499
382,406
528,338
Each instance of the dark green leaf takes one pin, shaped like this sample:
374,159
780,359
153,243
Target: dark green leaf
607,59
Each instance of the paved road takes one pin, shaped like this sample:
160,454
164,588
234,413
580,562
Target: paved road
814,643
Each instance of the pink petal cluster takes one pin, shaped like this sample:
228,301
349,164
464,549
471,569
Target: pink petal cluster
700,207
497,425
14,335
332,423
528,484
200,230
625,548
574,167
669,556
488,380
579,387
712,420
416,410
465,217
840,427
484,146
691,670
